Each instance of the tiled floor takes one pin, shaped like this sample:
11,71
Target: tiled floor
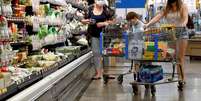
97,91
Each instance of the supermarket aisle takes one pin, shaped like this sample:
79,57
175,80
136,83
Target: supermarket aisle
97,91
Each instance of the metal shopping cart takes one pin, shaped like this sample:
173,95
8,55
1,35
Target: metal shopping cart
113,42
154,45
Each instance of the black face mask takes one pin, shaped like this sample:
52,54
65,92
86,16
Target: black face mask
171,1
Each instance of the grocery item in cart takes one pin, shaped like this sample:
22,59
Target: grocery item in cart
150,73
135,49
135,45
150,50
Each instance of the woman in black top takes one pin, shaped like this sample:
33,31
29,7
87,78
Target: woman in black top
98,17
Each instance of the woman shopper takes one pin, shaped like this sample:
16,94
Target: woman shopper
175,13
98,16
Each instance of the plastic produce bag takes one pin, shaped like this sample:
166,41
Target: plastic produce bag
35,5
83,41
43,32
36,26
51,38
7,10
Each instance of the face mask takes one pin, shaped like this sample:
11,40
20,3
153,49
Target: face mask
100,2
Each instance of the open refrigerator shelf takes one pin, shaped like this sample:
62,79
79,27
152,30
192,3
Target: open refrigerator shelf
37,76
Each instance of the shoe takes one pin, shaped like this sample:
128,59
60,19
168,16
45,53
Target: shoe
96,78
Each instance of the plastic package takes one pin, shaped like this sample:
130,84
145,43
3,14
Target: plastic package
7,10
150,73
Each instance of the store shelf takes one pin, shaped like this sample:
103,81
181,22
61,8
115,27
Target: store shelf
38,89
16,19
19,43
5,40
194,47
52,4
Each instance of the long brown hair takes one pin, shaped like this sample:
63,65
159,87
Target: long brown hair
179,5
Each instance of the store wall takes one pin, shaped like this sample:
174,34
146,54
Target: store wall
121,12
125,6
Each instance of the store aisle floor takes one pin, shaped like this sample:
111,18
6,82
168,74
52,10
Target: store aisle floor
97,91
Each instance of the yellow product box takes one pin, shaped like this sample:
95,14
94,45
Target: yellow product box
149,43
149,53
148,57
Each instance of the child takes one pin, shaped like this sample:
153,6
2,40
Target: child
134,24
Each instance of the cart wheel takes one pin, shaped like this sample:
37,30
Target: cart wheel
153,90
120,79
180,85
135,89
105,79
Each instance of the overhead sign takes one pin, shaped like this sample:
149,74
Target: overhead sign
130,3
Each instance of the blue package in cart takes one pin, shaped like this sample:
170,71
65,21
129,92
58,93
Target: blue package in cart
150,73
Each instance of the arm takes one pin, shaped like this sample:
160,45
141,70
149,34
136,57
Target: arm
105,23
155,19
87,14
185,15
110,17
102,24
85,21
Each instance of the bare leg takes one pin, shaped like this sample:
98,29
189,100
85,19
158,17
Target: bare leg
181,56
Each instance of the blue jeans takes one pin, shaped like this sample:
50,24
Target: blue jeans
95,44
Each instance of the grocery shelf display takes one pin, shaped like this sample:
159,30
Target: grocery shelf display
34,41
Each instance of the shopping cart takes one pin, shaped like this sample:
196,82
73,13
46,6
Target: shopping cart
154,45
113,42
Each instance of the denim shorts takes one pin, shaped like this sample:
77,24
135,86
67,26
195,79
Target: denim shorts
182,33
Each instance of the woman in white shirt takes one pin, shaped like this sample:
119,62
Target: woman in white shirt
175,13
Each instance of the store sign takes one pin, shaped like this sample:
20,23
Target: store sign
130,3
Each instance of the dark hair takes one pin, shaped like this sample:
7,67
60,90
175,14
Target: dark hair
179,4
190,24
110,13
132,15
